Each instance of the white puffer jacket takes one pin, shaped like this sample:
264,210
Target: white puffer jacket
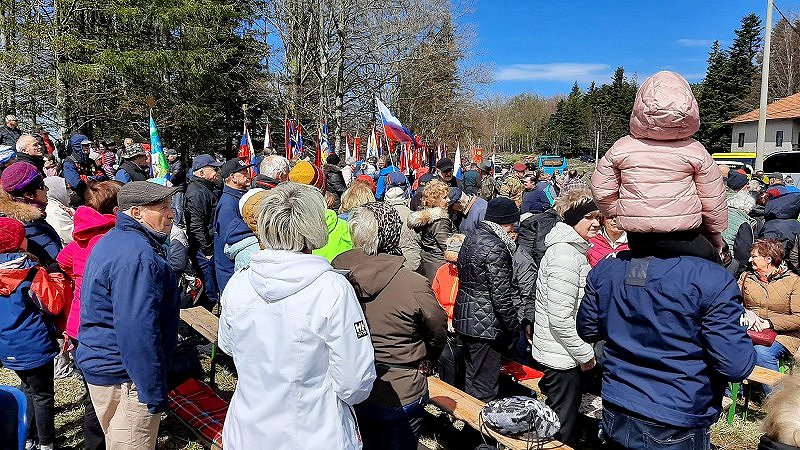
559,291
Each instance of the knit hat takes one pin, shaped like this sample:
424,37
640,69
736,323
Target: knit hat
19,176
7,153
248,207
389,227
140,193
333,159
12,233
306,173
453,244
502,211
575,214
736,180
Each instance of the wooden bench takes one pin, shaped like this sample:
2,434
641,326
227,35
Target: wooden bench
207,324
759,375
467,408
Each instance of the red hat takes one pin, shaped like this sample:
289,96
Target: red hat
12,233
519,167
367,180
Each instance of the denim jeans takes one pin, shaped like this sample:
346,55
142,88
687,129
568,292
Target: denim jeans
178,202
767,357
207,274
624,431
391,428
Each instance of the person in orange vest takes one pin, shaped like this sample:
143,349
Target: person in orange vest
445,287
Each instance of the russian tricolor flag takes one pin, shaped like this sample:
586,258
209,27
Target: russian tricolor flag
394,130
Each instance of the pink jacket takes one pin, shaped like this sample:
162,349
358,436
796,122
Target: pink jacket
90,226
659,179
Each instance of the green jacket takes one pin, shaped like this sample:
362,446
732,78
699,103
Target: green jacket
736,217
338,237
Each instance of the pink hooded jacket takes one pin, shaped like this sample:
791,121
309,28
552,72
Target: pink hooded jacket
659,179
90,226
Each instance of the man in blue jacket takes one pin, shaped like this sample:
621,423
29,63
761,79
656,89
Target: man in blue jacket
673,340
387,167
229,227
129,318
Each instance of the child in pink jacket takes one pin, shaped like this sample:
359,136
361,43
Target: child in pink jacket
658,179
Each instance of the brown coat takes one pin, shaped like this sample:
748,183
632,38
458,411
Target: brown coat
406,323
779,301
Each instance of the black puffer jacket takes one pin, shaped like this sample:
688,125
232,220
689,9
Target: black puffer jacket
487,303
9,136
434,227
336,184
530,250
201,202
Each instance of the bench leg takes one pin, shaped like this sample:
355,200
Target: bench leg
746,393
213,375
734,396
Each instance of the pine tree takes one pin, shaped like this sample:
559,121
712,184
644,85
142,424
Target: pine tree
716,101
742,64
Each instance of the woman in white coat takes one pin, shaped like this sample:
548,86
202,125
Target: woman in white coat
557,349
297,335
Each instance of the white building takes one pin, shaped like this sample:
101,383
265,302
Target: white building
783,127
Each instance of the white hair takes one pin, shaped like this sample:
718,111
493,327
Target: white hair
364,230
273,165
24,141
782,424
292,218
742,200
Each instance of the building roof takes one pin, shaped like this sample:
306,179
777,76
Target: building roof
785,108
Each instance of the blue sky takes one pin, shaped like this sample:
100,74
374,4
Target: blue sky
544,46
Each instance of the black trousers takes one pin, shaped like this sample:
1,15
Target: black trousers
451,363
483,358
39,390
93,437
563,391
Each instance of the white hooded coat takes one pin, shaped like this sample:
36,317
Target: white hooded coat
302,350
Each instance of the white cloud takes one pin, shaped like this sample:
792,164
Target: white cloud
570,72
694,42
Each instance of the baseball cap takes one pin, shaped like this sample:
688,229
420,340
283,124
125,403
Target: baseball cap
445,165
232,166
485,165
204,160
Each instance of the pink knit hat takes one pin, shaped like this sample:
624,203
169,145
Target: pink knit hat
19,176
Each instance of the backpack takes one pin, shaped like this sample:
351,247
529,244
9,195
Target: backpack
523,417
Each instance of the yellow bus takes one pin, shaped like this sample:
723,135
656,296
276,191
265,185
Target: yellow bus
736,159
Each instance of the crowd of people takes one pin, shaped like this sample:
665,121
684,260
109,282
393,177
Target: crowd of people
341,288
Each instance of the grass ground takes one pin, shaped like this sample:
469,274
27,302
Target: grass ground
442,433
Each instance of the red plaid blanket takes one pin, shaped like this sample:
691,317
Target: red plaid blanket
201,408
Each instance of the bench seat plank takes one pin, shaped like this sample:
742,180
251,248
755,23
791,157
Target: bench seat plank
467,408
203,321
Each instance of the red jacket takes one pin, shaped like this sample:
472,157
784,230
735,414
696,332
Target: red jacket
601,248
445,286
90,226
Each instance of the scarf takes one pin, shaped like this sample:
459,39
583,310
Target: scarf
500,232
389,227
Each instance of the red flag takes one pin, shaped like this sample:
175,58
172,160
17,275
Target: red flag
357,148
287,134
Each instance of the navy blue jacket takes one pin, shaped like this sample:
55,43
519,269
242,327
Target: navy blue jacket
229,228
536,201
781,223
25,341
44,235
72,173
129,312
673,337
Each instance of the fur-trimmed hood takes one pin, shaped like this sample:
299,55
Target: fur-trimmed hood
425,217
17,210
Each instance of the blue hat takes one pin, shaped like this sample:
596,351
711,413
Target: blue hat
204,160
7,153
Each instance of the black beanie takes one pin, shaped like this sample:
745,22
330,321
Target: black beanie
333,159
502,211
